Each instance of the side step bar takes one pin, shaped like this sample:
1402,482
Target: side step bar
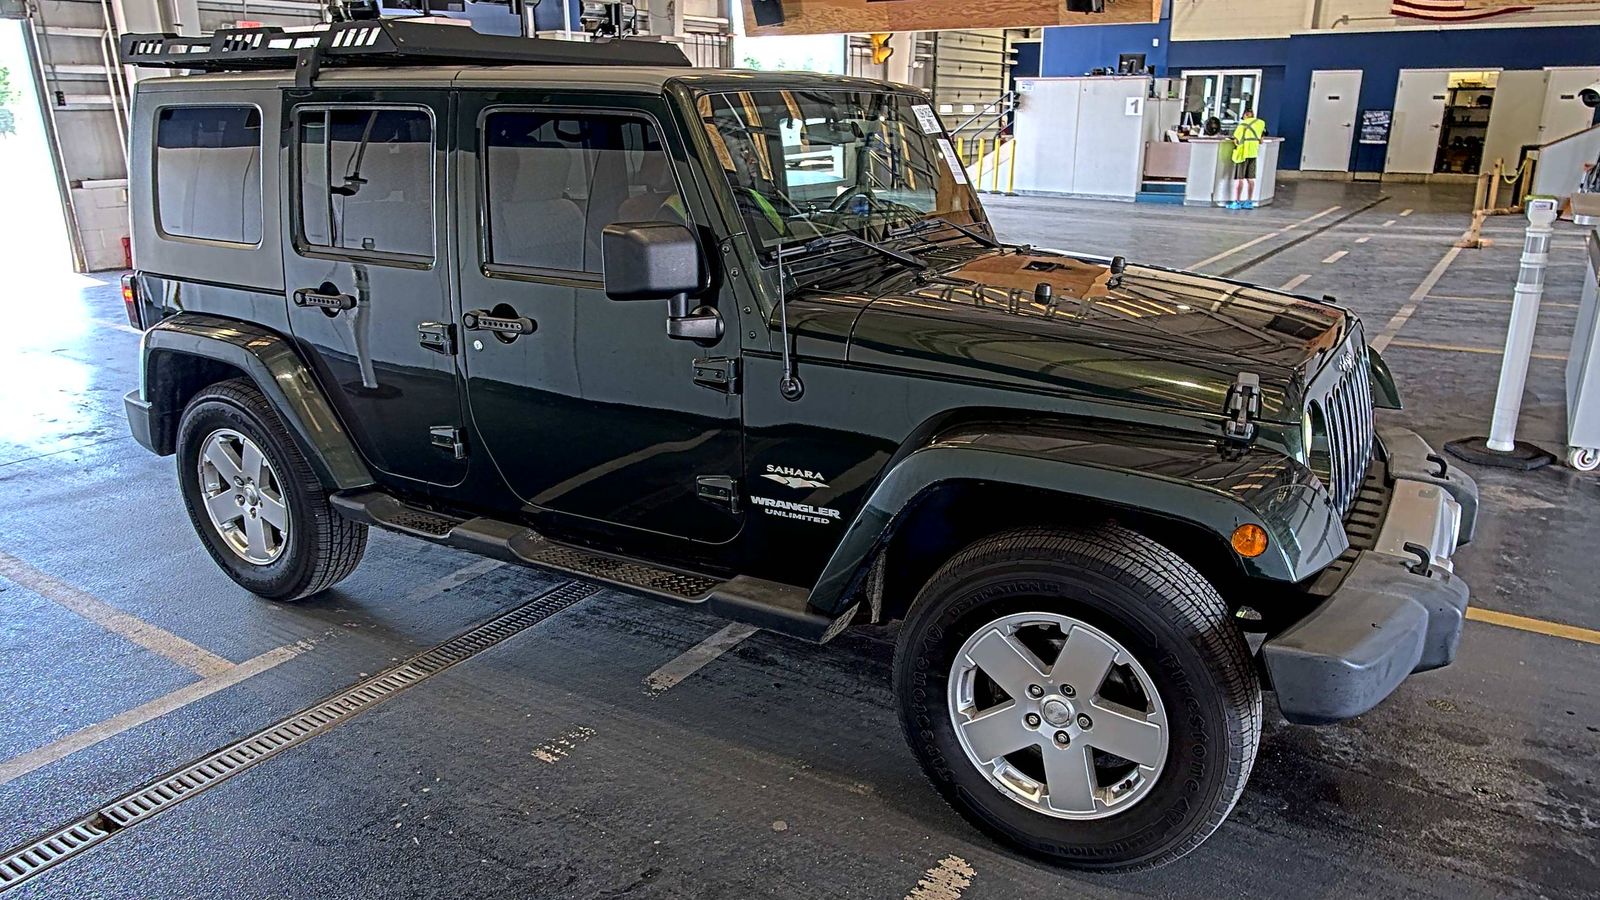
766,604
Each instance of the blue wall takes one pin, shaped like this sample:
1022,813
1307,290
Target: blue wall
1287,63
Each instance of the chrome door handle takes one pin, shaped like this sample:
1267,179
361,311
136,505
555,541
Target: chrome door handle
332,301
504,327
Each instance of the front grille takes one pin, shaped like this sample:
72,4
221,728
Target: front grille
1345,414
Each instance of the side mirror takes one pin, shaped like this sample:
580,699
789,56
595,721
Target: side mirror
660,261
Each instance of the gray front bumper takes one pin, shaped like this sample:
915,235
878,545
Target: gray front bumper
1399,608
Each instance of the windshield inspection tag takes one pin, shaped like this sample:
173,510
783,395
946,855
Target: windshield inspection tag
956,168
926,118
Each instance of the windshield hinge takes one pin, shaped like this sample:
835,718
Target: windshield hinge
1243,407
720,490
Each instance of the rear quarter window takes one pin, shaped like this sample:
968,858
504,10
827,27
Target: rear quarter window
208,173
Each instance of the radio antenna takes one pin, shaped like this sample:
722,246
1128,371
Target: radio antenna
789,386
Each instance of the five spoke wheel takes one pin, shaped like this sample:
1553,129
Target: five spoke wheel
1058,715
243,497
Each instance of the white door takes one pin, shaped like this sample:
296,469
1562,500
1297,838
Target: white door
1514,116
1330,120
1564,113
1418,116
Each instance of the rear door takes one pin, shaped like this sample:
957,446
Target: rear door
368,271
589,411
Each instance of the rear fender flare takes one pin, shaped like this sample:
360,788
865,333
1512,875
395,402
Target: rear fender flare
1190,478
269,360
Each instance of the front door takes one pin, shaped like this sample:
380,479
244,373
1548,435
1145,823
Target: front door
1331,120
367,266
1419,102
589,411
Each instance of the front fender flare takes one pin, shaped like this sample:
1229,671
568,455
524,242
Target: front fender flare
1190,478
269,360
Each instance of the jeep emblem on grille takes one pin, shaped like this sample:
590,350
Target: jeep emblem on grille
1347,362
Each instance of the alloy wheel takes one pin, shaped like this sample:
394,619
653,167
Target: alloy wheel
243,497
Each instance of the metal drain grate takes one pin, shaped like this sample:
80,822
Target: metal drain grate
28,860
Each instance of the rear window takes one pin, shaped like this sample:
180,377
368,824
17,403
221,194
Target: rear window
208,173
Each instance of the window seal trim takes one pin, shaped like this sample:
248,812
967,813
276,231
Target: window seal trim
261,185
305,248
547,274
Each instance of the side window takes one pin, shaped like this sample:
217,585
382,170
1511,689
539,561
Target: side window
366,180
208,173
554,181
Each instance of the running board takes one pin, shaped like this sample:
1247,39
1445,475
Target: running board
765,604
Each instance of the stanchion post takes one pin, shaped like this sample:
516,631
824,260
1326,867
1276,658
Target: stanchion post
1501,447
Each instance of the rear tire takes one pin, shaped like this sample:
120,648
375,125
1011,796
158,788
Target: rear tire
1178,666
267,522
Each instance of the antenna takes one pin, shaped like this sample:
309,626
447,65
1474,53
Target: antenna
789,386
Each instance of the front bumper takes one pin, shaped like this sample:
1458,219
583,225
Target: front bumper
1398,607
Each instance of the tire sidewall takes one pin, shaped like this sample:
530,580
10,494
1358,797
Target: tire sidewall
1195,773
214,412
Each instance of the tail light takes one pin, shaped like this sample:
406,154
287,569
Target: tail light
130,301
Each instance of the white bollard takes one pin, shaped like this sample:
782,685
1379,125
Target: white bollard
1524,316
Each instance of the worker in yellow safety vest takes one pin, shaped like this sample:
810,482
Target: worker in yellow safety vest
1247,137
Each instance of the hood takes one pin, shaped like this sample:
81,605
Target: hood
1157,337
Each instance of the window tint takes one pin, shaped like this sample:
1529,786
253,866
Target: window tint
366,180
554,181
208,173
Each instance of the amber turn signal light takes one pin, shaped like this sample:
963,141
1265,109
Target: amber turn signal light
1249,541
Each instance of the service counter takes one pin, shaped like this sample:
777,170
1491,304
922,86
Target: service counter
1205,166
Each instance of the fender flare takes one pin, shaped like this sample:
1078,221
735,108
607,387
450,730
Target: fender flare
1187,477
1385,393
269,360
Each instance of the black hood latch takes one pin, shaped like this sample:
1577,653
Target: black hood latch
1243,408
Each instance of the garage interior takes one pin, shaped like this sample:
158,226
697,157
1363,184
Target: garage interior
588,743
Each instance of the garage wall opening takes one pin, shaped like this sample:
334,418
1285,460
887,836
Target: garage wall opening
33,232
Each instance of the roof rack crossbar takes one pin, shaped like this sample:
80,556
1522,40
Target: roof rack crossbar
379,43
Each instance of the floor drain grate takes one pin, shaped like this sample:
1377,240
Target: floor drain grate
24,862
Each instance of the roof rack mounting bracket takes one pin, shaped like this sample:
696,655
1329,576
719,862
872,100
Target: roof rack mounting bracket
307,64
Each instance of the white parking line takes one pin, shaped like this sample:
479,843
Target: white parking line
696,657
1404,314
194,658
1294,282
1265,237
944,881
1363,239
1336,256
1388,223
1406,212
22,764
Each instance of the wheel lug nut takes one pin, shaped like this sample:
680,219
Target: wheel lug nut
1032,720
1035,691
1063,738
1084,721
1069,690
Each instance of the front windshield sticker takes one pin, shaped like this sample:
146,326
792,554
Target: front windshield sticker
926,118
957,170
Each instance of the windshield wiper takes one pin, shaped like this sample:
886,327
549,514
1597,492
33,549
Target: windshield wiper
833,241
975,234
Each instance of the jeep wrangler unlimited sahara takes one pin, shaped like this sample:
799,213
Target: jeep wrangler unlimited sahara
747,340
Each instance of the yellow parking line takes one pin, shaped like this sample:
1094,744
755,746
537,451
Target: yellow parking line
1458,348
1537,626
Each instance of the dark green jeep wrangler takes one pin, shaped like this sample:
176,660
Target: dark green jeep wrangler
746,340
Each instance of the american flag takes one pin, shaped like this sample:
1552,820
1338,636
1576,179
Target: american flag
1448,10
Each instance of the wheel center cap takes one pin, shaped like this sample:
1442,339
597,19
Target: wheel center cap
1056,712
252,494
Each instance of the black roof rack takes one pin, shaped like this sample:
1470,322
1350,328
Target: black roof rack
379,43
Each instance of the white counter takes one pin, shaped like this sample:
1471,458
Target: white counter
1210,175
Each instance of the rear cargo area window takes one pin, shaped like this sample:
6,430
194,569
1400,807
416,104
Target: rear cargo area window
554,181
208,173
366,180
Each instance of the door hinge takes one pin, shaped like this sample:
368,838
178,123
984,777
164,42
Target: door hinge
440,337
448,437
719,489
1243,407
718,373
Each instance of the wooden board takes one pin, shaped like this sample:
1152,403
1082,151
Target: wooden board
868,16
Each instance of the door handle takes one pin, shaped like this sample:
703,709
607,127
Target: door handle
328,300
507,325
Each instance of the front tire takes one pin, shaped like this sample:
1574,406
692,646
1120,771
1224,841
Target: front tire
1081,695
257,505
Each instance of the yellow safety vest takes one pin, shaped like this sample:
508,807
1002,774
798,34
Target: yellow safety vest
1247,137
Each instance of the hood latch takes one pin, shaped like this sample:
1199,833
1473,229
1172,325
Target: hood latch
1243,407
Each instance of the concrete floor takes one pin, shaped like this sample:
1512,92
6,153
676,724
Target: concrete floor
548,766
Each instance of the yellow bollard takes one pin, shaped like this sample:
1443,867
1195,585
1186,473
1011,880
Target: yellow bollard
1011,173
961,150
999,153
977,182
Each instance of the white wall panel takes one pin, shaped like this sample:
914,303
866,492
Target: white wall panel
1211,20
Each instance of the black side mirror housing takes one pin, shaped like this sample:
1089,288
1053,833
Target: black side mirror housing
649,260
660,261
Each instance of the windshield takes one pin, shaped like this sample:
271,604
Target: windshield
805,164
